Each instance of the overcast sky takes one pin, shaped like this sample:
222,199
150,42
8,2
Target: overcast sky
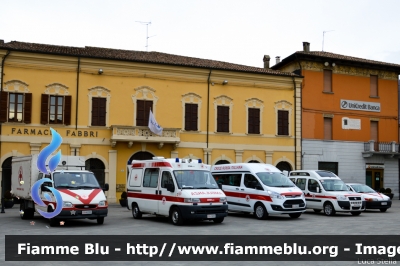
233,31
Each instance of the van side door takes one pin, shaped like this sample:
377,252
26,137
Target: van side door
231,187
251,193
313,196
167,191
149,196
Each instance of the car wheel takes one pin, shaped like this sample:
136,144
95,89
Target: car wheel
260,212
295,215
329,210
317,211
136,213
100,220
218,220
355,213
176,216
383,209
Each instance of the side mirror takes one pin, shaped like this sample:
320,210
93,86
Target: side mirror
44,186
220,185
170,187
259,187
106,187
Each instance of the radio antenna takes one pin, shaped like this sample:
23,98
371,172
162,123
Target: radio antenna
147,33
323,37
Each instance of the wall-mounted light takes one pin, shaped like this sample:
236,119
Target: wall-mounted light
333,64
224,82
326,64
100,71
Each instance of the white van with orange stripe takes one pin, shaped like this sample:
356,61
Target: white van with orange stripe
325,191
261,189
182,189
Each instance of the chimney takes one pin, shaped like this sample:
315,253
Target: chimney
306,46
278,59
266,61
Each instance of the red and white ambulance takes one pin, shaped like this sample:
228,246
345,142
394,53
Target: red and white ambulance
182,189
261,189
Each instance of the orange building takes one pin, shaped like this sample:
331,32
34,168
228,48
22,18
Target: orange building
349,116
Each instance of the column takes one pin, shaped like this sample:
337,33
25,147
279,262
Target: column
268,157
239,156
112,176
35,148
74,149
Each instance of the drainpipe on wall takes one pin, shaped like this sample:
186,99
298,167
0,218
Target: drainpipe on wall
208,109
295,124
301,112
1,90
77,94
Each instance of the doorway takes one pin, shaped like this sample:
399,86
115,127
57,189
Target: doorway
374,178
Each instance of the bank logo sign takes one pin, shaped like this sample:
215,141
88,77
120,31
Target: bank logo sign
360,106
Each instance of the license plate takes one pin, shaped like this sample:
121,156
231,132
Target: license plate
384,203
211,215
295,206
356,204
86,212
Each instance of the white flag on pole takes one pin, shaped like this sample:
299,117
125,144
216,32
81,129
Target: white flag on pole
154,126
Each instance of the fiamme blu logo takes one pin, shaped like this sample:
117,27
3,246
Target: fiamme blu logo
52,165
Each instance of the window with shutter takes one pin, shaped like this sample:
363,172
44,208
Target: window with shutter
223,119
191,116
327,80
99,111
327,128
143,108
44,113
253,121
283,122
374,86
27,108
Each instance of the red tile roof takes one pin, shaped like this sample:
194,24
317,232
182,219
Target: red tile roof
136,56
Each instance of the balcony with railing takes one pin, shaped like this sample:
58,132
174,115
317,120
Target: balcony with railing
390,149
131,134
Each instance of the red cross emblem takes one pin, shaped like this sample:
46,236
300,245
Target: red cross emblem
163,200
247,198
20,178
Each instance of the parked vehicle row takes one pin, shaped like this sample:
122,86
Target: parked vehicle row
186,189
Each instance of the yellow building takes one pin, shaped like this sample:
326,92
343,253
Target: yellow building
99,101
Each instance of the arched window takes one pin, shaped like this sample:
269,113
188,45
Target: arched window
97,167
222,162
6,174
284,166
141,155
254,161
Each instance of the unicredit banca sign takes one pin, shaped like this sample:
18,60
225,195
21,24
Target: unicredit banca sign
360,106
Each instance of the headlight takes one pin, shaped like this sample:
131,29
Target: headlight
102,203
67,204
274,194
341,197
222,199
192,200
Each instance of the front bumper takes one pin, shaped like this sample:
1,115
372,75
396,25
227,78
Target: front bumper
203,212
346,206
378,204
77,214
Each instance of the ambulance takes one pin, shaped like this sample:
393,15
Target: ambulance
325,191
81,195
181,189
261,189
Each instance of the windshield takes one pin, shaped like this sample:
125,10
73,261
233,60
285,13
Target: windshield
362,189
275,179
75,180
334,185
193,179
